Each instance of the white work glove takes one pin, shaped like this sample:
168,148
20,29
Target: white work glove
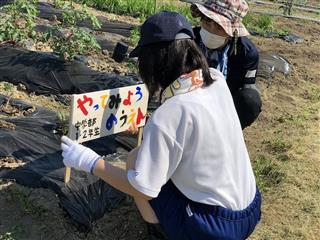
78,156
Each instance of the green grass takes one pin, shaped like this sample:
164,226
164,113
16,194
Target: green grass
313,94
25,204
268,174
301,118
135,36
282,157
10,235
263,24
137,8
140,9
277,146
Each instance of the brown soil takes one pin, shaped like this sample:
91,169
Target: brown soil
13,111
8,125
10,162
291,207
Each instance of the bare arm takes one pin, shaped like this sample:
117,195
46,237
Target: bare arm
117,177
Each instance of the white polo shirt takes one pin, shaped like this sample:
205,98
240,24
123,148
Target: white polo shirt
195,139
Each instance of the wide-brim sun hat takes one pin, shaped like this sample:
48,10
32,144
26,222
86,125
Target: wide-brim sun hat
227,13
164,26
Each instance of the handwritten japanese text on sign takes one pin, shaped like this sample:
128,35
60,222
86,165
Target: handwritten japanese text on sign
102,113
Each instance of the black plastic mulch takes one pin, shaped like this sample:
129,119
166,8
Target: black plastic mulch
36,141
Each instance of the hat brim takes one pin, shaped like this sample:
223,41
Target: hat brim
136,51
224,22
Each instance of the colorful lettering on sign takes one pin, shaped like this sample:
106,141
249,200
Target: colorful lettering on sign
81,104
139,93
123,118
127,101
140,116
111,120
102,113
115,100
131,117
103,103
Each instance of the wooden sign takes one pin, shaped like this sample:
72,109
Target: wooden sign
97,114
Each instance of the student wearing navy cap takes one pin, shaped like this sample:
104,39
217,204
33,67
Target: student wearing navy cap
223,39
191,178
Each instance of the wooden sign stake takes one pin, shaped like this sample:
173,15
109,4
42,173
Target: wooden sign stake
67,175
140,136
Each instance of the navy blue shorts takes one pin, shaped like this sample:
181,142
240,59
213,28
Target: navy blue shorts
184,219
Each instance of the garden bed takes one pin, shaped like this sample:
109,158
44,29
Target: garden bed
283,145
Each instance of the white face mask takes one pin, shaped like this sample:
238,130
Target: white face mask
210,40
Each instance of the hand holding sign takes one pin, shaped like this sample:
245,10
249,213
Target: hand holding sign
97,114
78,156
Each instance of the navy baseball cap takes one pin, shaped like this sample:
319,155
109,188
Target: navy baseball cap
164,26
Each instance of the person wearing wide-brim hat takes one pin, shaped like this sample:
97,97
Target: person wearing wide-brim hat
223,40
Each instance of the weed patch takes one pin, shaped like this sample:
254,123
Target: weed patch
313,94
25,204
66,38
18,23
134,36
283,157
267,173
138,8
277,146
263,24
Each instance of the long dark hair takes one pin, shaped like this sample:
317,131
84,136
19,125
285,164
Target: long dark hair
162,63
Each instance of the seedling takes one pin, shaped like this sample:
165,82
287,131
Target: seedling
17,24
67,39
8,87
63,124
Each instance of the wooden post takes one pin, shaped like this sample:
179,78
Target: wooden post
140,136
67,175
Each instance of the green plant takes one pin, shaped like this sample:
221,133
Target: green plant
63,127
139,8
134,36
313,94
26,205
263,24
277,146
283,157
8,87
283,31
18,22
67,39
267,173
259,23
6,236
